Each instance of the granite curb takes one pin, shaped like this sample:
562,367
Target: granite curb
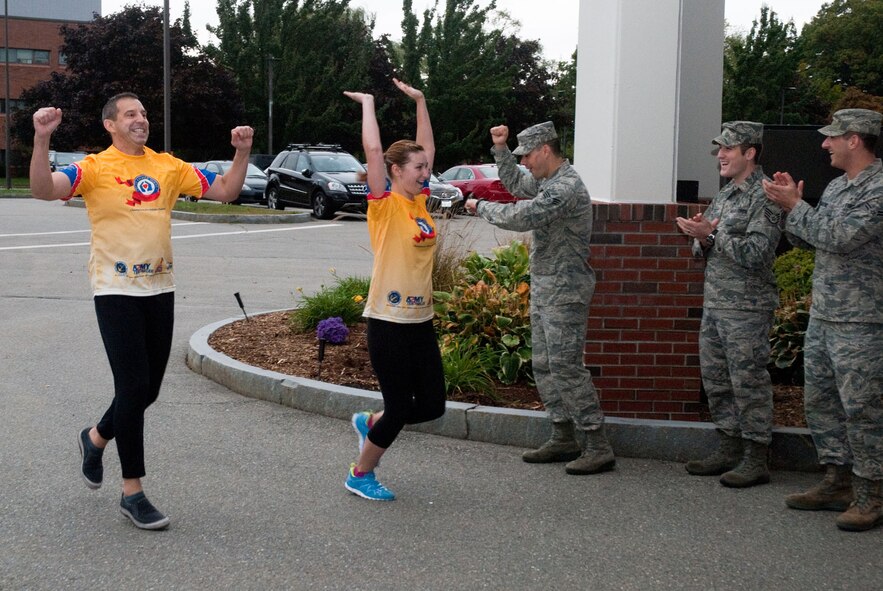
232,218
676,441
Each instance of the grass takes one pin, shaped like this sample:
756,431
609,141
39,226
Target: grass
223,208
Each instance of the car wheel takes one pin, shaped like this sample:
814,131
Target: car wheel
322,208
273,198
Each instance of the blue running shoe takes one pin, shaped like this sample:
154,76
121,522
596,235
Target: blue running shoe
92,468
367,486
360,424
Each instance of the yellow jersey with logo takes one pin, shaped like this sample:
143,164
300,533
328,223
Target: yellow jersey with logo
129,200
403,237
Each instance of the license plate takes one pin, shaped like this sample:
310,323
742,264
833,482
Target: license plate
446,203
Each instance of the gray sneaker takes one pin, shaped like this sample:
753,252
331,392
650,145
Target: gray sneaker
142,513
92,470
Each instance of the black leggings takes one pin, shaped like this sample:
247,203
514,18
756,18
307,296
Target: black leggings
408,365
137,335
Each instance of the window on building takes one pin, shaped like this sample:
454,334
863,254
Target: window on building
62,59
26,56
14,104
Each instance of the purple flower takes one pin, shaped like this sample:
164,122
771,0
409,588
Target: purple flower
332,330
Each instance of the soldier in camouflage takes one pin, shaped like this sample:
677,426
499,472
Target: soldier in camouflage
556,207
843,349
737,235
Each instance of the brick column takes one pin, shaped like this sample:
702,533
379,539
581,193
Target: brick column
643,331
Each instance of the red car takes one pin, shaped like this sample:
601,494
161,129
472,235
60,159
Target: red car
479,181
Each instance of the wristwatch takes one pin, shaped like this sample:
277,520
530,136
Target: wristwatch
711,238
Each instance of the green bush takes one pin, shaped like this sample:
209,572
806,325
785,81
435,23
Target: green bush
786,341
793,270
489,311
464,368
345,300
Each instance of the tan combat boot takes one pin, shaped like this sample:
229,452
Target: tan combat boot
561,447
597,455
833,493
725,457
866,511
752,470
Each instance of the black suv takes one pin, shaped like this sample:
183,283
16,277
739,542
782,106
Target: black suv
322,177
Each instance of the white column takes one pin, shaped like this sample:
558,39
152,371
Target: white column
649,83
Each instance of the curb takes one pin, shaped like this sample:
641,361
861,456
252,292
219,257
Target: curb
674,441
225,218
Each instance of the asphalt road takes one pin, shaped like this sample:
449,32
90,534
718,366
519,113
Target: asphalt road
255,490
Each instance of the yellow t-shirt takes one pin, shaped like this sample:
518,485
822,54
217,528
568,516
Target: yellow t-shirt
403,240
129,200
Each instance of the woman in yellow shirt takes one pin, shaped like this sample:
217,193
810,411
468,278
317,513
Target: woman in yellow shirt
402,342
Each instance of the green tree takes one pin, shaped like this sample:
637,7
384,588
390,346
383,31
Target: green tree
204,104
468,82
841,45
564,103
760,70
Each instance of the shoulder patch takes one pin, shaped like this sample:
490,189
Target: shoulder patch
774,216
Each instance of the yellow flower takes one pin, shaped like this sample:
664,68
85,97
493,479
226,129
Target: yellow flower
358,298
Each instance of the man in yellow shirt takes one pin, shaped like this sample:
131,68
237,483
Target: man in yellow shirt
130,191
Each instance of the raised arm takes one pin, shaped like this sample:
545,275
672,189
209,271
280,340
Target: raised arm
227,187
45,184
371,143
424,125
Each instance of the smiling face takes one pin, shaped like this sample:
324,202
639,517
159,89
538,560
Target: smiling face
129,129
537,161
408,178
839,149
734,164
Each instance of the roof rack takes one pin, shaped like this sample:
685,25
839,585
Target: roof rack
329,147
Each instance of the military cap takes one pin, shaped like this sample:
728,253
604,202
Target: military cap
737,133
535,136
861,121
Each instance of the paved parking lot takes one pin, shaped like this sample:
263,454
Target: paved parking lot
254,490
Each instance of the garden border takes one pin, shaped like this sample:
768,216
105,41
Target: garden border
676,441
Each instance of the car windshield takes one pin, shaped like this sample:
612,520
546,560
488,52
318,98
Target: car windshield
489,172
252,170
336,163
65,158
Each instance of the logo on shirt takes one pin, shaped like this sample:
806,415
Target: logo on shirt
415,300
141,269
145,189
394,298
120,267
426,230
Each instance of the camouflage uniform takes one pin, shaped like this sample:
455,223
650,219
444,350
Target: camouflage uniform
558,210
843,353
740,297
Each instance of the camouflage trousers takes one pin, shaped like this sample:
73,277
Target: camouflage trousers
734,349
843,393
558,335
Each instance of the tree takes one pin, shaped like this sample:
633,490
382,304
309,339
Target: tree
531,91
564,104
468,80
328,48
841,45
204,104
759,70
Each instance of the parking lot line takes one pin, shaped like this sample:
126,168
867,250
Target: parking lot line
69,244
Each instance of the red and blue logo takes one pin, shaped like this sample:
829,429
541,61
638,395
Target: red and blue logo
146,189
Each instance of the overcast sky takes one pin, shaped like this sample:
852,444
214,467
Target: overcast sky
553,22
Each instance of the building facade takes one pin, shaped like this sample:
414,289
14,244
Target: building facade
33,46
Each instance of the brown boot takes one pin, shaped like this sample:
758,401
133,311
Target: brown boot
752,470
725,457
833,493
561,447
866,511
597,455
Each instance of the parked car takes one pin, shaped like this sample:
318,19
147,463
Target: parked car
323,177
61,159
444,197
479,181
252,188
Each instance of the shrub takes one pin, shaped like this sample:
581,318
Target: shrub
489,311
344,300
332,330
786,341
464,368
793,270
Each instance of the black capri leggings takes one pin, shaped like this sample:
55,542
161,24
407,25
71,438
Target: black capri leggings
408,365
137,335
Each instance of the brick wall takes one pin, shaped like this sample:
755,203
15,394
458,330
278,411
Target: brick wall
642,337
